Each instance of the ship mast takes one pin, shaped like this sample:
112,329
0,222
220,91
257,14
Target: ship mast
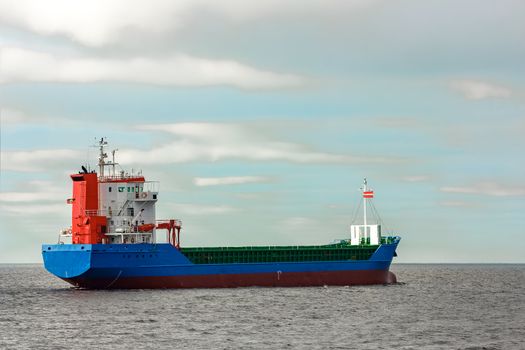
364,203
368,230
101,157
113,161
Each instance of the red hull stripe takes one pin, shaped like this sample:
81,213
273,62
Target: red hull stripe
275,279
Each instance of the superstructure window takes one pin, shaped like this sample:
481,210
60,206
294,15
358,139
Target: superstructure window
109,189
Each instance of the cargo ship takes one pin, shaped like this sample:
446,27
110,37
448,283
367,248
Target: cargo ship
115,241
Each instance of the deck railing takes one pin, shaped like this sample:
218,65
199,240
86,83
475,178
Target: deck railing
95,212
120,178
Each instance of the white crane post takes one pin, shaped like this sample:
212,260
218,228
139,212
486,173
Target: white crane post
364,209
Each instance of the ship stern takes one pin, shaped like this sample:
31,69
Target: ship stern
67,261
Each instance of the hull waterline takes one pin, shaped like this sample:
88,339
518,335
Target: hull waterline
277,279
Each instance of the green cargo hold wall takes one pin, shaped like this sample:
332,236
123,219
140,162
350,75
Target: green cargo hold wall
228,255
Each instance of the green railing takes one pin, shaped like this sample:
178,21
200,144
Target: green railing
388,240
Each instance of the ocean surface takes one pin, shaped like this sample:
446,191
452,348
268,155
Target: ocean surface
433,307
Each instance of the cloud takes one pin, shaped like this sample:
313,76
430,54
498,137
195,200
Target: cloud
196,209
100,23
460,204
12,116
210,142
33,209
298,222
30,196
35,191
303,229
37,160
21,65
229,180
194,142
478,90
488,189
93,23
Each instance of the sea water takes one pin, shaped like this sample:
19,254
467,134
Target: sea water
432,307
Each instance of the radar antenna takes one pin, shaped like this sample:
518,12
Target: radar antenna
102,155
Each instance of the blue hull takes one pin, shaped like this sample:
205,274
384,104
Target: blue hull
163,266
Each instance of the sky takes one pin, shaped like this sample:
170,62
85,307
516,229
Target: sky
260,119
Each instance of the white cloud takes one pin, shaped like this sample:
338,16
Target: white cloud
18,64
303,230
99,22
33,209
298,223
197,209
30,196
460,204
222,141
228,180
92,23
12,116
193,142
37,160
35,191
478,90
489,189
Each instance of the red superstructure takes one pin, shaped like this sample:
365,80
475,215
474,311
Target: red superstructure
86,228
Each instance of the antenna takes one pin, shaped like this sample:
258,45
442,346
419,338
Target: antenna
367,194
101,163
113,160
364,204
